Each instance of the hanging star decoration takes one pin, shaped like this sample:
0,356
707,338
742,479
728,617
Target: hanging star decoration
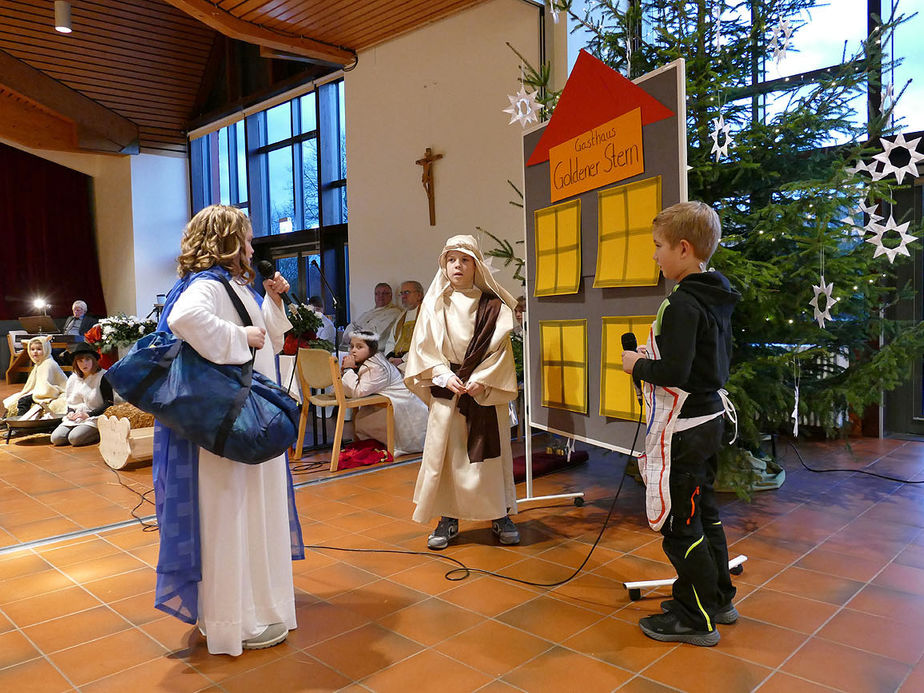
899,144
720,129
820,290
887,98
860,210
523,107
879,232
780,40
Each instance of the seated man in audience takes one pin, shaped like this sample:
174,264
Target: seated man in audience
379,319
327,331
399,338
81,321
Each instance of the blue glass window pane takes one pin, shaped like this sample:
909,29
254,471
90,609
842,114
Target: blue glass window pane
279,123
342,128
315,287
310,183
241,162
309,112
282,197
908,46
818,37
288,268
224,181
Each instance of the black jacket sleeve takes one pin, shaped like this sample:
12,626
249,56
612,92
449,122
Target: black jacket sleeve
106,391
677,343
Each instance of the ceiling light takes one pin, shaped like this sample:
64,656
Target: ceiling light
63,16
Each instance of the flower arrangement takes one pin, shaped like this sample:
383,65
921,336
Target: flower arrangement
305,323
118,331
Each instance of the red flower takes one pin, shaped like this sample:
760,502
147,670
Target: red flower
94,335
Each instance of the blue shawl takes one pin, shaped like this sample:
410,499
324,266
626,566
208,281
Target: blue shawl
176,492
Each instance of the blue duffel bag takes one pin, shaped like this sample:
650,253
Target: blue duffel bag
229,410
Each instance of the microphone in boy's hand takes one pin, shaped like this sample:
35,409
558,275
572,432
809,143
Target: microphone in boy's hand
267,271
630,343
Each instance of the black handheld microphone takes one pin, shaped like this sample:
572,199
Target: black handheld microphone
267,271
630,343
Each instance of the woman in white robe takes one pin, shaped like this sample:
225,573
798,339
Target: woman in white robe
373,374
449,484
46,384
246,594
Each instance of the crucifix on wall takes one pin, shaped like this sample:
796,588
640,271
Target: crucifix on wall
427,179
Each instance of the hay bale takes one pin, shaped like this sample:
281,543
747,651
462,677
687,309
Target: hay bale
136,417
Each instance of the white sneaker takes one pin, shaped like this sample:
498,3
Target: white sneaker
273,634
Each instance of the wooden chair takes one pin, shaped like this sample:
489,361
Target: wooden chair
318,369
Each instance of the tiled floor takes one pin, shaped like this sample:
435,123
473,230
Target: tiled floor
831,597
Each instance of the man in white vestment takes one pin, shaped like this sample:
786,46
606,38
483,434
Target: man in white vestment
379,319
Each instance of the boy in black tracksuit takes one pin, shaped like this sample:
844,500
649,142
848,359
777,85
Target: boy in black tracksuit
690,356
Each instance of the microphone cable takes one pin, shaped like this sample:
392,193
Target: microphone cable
853,471
463,571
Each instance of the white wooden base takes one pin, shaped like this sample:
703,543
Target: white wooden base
119,444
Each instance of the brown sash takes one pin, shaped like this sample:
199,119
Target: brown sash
483,436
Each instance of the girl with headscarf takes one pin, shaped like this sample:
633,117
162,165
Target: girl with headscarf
461,364
43,394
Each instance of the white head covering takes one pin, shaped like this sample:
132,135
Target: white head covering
46,346
484,280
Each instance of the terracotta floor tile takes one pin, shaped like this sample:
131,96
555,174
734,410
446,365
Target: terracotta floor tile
428,578
378,599
43,607
814,585
494,687
94,660
486,598
839,564
710,664
881,601
333,580
21,563
912,556
781,682
43,529
453,676
321,621
902,578
884,636
77,551
131,537
550,618
103,567
759,642
36,676
845,668
156,675
785,610
296,672
112,589
547,672
138,609
380,648
174,634
16,649
915,681
494,648
26,586
74,629
431,621
617,642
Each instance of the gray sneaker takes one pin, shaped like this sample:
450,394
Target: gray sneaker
505,531
445,532
273,634
725,616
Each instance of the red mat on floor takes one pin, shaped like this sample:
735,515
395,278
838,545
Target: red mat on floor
546,463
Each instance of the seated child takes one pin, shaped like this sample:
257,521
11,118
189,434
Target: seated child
367,372
42,395
88,395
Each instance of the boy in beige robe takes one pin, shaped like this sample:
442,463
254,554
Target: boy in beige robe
461,364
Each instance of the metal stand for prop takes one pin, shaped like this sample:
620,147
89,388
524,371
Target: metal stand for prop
635,588
577,497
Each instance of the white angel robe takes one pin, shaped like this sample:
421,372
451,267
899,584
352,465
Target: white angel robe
84,395
377,376
448,483
243,509
46,383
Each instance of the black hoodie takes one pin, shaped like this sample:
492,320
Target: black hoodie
695,342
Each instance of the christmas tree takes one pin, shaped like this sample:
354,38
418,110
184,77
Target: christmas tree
809,238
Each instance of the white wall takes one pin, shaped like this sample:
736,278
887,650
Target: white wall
443,86
160,210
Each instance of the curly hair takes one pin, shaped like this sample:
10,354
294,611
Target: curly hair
216,236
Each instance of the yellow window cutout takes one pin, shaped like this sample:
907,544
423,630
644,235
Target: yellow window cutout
558,249
563,364
617,393
625,248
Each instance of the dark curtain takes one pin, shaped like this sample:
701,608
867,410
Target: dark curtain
47,238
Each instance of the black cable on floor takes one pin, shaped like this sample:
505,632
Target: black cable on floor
142,499
852,471
463,571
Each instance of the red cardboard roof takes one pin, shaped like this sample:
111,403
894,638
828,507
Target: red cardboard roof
594,94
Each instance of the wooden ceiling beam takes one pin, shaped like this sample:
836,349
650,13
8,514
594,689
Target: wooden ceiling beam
232,27
98,128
